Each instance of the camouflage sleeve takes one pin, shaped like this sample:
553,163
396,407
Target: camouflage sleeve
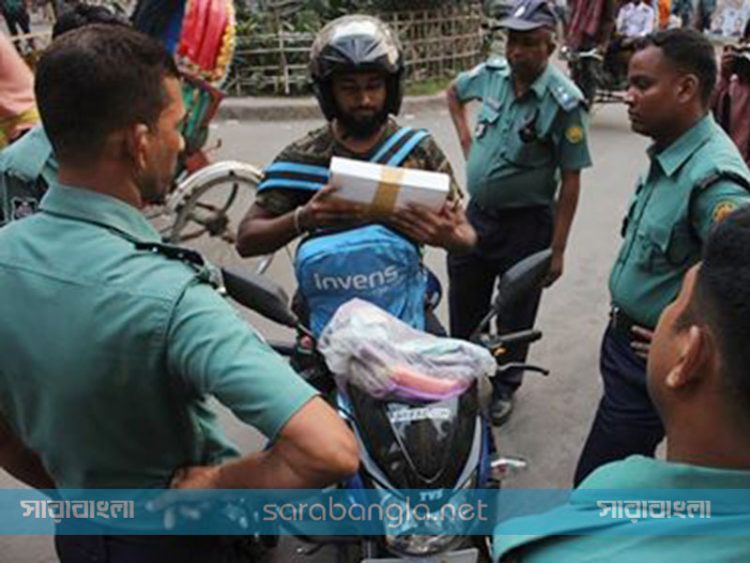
429,156
281,201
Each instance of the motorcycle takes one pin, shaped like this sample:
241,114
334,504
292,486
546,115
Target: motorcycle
599,78
444,446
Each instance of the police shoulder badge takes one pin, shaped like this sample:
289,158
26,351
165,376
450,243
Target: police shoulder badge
574,134
722,209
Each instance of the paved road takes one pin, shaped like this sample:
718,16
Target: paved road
553,414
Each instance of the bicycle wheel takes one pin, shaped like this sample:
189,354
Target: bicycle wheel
208,207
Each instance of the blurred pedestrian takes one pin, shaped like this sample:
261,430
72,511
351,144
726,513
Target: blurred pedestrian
16,16
663,10
635,19
704,14
731,104
683,9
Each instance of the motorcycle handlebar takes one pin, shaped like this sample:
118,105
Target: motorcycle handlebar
498,341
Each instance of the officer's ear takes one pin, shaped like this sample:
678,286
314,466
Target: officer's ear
551,43
138,142
688,87
695,351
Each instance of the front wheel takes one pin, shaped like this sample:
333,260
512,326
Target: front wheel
208,206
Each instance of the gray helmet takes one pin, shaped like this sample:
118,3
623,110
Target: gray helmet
352,44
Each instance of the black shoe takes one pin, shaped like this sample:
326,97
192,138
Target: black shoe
500,409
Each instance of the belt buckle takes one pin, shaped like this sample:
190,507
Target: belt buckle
614,317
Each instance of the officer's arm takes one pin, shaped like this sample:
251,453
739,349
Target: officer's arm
21,462
214,352
313,449
571,139
460,118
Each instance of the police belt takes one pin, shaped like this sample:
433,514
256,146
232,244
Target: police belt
623,324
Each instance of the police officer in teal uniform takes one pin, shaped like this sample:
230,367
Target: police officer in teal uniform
111,343
28,166
695,178
530,139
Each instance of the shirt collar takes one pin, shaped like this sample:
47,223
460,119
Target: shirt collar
647,473
675,155
539,87
99,209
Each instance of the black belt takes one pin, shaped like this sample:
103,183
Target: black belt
623,323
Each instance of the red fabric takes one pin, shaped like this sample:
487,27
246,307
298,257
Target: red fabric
203,31
214,32
193,28
585,21
737,94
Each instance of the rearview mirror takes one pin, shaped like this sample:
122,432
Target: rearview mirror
523,278
520,280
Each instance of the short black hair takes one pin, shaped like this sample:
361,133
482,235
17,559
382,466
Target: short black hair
721,301
98,79
85,14
689,51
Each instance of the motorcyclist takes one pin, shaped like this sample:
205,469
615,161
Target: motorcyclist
357,68
635,19
592,23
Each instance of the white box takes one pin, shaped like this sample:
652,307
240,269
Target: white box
386,188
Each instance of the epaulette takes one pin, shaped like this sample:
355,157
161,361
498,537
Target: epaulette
206,271
721,175
565,92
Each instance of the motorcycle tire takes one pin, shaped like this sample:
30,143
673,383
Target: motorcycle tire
584,74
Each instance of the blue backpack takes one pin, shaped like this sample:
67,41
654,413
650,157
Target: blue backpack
373,262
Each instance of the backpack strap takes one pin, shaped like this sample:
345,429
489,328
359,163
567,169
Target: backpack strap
293,175
399,146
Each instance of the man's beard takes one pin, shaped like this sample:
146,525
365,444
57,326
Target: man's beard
149,186
362,128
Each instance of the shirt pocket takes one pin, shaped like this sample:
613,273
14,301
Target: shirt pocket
534,151
487,117
664,247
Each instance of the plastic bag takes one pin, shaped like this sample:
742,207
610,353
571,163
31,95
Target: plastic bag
369,348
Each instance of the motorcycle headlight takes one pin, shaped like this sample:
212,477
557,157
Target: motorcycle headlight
420,545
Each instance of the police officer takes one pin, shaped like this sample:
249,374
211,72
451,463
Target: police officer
28,166
109,345
695,178
530,138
